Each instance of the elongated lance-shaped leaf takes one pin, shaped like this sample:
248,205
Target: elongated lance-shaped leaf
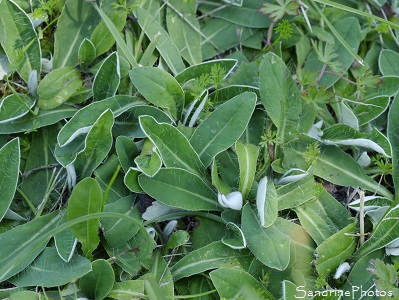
282,99
173,146
267,202
118,38
14,107
86,198
247,158
19,40
165,45
26,240
269,245
9,160
223,127
180,188
107,79
76,22
212,256
393,125
340,168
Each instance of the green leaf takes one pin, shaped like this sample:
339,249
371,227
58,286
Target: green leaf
223,127
269,245
65,242
57,87
19,39
195,71
86,198
340,168
10,160
247,159
102,36
165,45
87,52
172,145
282,99
119,231
44,118
180,188
296,193
267,202
152,288
22,244
49,270
215,255
149,164
13,107
162,275
97,145
159,88
128,289
234,237
323,217
127,151
231,283
88,115
388,62
99,281
371,109
131,180
77,20
384,232
184,30
177,239
107,79
393,125
335,250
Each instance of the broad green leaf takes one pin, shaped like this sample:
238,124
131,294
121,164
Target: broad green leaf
119,231
388,62
102,37
76,22
107,79
247,14
340,168
388,87
86,198
65,242
215,255
223,127
234,237
266,202
296,193
13,107
159,88
230,283
165,45
99,281
217,182
127,151
282,99
162,275
19,39
335,250
371,109
87,52
172,145
49,270
57,87
247,159
177,239
393,125
349,30
127,290
322,217
22,244
131,180
9,173
254,130
385,232
88,115
269,245
196,71
184,30
97,145
128,123
180,188
24,295
202,236
44,118
228,168
152,287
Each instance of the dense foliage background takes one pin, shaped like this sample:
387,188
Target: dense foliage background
199,149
